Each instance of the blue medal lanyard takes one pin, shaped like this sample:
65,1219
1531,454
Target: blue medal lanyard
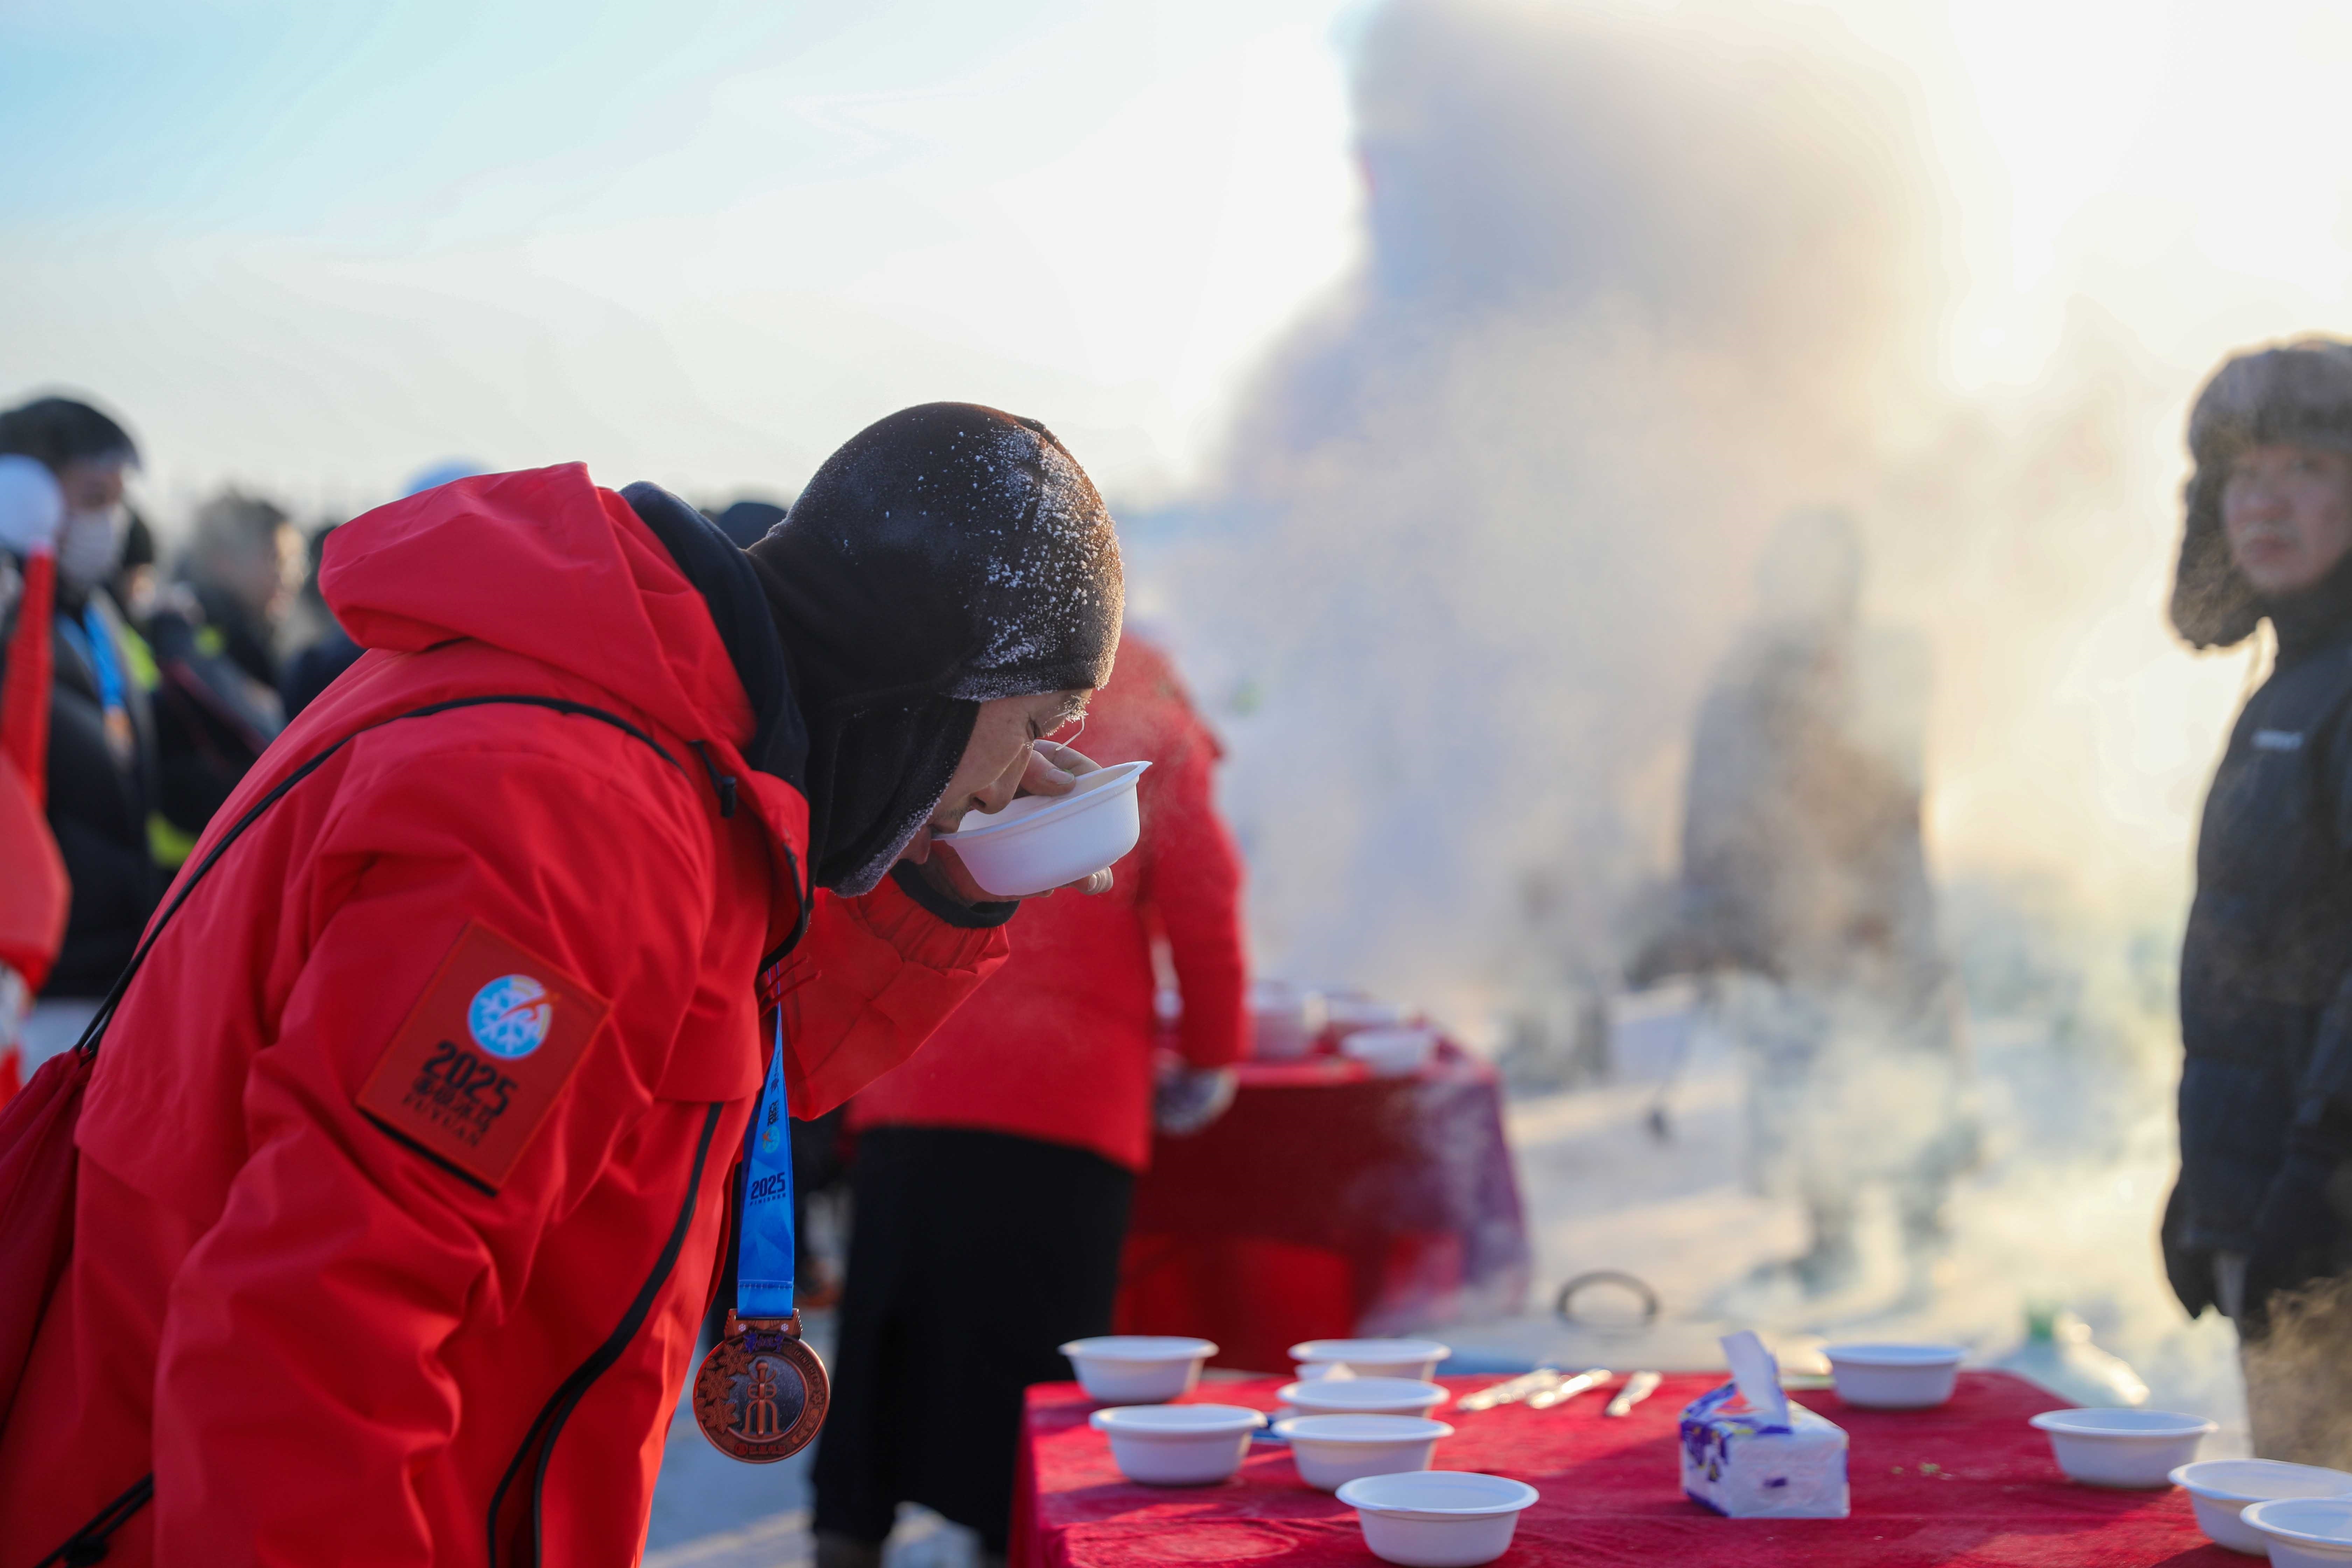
98,645
765,1254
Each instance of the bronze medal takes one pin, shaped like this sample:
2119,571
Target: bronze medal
761,1393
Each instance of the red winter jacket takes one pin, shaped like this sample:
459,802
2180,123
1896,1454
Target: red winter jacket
1057,1044
348,1290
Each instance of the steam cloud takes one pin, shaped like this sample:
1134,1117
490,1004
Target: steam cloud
1638,284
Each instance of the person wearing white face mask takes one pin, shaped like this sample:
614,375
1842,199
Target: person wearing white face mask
101,743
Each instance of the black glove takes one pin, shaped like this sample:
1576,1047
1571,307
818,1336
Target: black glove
2189,1269
2298,1233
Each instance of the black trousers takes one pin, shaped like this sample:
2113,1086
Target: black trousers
971,1256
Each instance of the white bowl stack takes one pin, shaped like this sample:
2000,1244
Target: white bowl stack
2122,1447
1416,1359
1363,1396
1438,1519
1177,1445
1332,1450
2222,1491
1138,1369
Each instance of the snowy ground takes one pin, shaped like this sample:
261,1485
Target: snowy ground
2062,1213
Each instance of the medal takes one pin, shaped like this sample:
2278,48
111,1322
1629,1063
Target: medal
760,1394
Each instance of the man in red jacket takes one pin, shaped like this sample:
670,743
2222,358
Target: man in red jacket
992,1172
355,1294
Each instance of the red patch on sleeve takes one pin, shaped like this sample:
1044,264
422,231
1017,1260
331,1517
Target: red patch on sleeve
483,1056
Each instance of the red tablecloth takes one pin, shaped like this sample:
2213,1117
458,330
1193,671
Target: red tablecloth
1970,1483
1328,1203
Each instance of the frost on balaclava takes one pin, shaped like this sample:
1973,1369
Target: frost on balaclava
945,556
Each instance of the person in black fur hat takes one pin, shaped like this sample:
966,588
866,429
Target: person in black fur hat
2260,1223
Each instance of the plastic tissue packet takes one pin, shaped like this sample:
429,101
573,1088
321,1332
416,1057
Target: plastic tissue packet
1749,1453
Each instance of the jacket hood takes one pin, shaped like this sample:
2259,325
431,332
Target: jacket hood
2298,391
542,563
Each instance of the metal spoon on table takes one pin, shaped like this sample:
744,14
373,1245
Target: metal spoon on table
1511,1391
1592,1378
1638,1387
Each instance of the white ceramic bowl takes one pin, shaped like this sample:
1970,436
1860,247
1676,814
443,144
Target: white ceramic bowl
1333,1450
1416,1359
1363,1396
1040,842
1893,1376
1177,1445
1284,1022
2119,1447
1391,1053
1348,1013
2305,1532
2222,1489
1138,1369
1438,1519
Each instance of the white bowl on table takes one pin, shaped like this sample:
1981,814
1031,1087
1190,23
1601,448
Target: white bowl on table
1332,1450
1416,1359
1284,1021
1040,842
1138,1369
1391,1053
2222,1489
2305,1532
1177,1445
1363,1396
1895,1376
1345,1014
2121,1448
1438,1519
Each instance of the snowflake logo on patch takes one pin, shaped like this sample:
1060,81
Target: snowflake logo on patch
508,1018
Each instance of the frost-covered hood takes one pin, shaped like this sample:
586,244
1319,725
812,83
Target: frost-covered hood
543,563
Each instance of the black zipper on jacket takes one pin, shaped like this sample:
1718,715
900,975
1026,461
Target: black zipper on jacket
548,1425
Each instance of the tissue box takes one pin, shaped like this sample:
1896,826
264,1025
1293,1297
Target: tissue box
1745,1465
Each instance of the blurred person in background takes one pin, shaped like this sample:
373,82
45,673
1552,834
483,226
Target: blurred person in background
2260,1223
34,894
318,647
992,1172
101,768
213,635
1804,896
133,584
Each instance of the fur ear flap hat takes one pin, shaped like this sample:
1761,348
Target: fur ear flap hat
2298,391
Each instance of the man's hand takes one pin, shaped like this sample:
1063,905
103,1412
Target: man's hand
1187,1098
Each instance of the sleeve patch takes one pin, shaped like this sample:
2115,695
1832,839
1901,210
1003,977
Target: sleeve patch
483,1056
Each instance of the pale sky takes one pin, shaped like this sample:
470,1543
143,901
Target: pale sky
316,246
312,246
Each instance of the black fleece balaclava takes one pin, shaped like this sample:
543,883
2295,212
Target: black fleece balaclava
945,556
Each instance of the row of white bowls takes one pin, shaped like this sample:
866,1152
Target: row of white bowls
1149,1369
1366,1436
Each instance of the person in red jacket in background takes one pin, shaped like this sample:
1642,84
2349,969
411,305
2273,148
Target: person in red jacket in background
343,1291
993,1170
